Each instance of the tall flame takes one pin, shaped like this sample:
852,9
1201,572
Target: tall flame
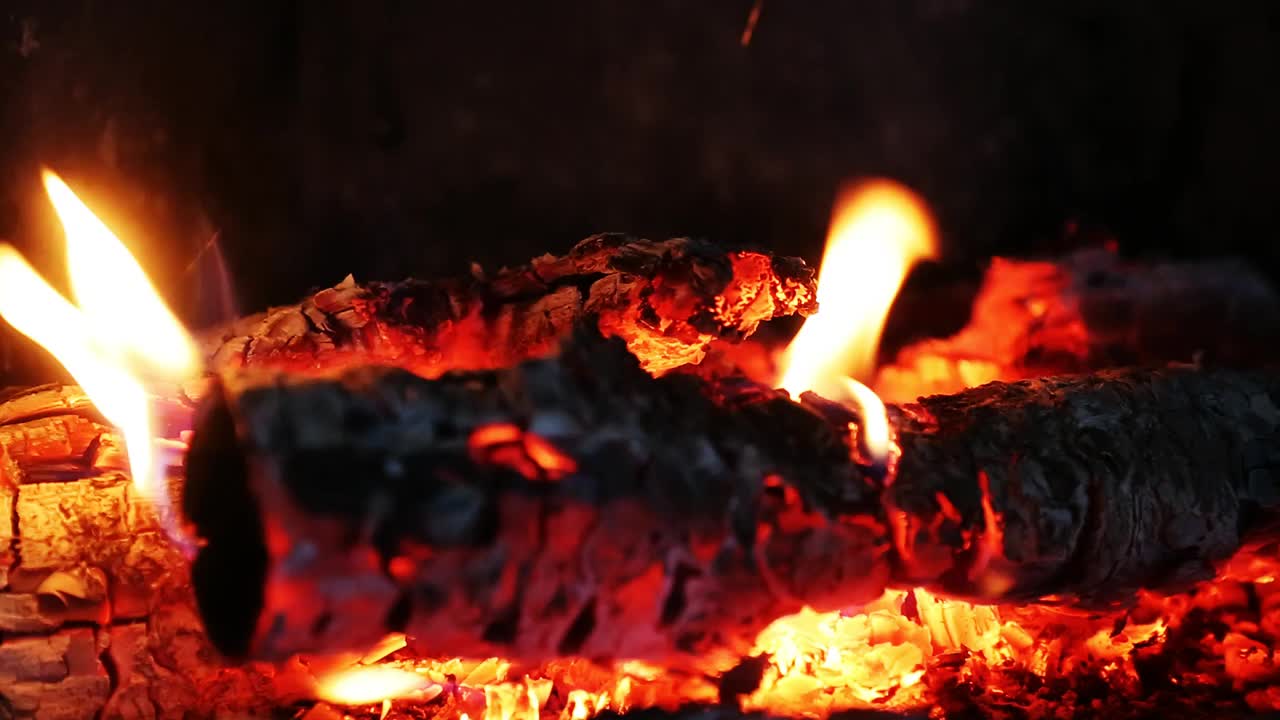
117,338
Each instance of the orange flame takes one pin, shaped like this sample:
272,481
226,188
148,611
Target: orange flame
116,338
879,229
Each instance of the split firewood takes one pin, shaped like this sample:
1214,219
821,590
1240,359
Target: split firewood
578,506
669,300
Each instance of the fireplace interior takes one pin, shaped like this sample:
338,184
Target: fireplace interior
665,361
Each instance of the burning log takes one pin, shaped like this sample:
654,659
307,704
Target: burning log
84,547
1089,486
579,506
100,620
669,300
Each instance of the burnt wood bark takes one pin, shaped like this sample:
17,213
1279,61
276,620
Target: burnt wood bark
1087,486
578,506
569,506
668,299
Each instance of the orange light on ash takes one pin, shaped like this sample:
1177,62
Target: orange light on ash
116,339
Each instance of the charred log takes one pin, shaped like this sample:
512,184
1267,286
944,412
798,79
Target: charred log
86,576
572,506
1089,486
578,506
668,300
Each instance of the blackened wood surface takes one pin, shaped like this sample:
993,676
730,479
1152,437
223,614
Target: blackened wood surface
577,506
1098,484
570,506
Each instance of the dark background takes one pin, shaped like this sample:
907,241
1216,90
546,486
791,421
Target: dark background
396,138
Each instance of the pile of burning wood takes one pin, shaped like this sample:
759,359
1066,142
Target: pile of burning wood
571,488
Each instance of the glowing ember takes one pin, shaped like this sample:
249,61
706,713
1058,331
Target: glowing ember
118,337
369,684
527,453
878,231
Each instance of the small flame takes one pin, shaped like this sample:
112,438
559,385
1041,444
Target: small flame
878,231
369,684
116,338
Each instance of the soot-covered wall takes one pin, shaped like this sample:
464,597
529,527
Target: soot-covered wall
394,138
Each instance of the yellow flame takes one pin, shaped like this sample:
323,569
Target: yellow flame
879,230
114,293
368,684
117,337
